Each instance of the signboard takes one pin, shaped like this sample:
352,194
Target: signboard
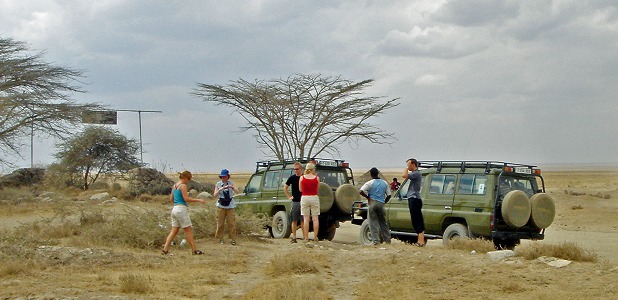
100,117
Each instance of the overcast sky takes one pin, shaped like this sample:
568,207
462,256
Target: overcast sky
525,81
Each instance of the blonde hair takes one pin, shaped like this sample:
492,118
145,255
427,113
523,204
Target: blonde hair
185,174
310,167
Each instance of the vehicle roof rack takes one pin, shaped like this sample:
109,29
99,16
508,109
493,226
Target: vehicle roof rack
464,164
264,164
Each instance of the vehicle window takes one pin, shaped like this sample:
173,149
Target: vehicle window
526,185
254,184
403,190
332,178
272,179
472,184
285,174
442,184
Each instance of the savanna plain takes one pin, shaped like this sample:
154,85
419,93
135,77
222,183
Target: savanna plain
66,246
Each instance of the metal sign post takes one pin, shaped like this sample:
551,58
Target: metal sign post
139,114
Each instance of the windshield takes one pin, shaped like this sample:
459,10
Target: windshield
334,178
525,184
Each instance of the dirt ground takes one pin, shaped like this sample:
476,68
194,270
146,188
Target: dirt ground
263,268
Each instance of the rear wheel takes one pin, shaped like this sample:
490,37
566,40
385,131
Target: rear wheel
327,233
506,244
280,227
454,231
365,234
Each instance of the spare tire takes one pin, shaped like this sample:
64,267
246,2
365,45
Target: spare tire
515,209
543,210
325,193
345,196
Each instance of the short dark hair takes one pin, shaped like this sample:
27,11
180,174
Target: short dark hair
414,161
395,179
374,172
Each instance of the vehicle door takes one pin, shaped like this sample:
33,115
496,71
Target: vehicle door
474,203
271,188
438,201
397,211
253,193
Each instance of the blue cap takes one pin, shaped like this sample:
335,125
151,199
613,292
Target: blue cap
224,172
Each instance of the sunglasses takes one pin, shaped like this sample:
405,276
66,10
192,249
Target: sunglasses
296,169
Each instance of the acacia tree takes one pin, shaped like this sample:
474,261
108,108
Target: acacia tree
95,151
303,115
35,96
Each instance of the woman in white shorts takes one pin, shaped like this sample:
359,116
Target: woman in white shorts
309,201
180,213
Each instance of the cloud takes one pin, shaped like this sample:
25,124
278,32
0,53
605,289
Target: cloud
430,79
467,72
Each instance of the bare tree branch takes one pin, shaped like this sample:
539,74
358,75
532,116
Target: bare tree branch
303,115
35,96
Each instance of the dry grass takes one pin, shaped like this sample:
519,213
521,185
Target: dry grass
97,257
567,250
290,288
478,245
292,263
134,284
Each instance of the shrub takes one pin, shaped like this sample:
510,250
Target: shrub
567,250
205,221
17,195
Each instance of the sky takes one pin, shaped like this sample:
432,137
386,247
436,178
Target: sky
531,82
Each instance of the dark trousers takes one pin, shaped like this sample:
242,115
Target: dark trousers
415,205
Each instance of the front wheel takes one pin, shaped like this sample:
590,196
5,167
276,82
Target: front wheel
365,234
280,227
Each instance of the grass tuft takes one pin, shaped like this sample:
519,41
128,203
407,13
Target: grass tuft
135,284
291,263
478,245
290,288
567,250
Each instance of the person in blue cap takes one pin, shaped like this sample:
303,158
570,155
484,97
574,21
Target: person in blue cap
225,190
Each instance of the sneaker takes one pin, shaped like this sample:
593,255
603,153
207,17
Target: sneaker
221,242
233,243
294,241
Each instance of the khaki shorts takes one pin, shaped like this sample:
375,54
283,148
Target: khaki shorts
180,216
310,205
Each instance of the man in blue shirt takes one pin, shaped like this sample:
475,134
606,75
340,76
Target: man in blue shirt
378,192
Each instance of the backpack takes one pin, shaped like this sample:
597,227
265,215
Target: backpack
226,200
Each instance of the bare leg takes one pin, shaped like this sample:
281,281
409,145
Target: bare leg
316,227
294,228
170,237
306,227
189,235
421,239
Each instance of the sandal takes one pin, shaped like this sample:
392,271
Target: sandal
197,252
294,241
419,244
163,252
221,242
233,243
